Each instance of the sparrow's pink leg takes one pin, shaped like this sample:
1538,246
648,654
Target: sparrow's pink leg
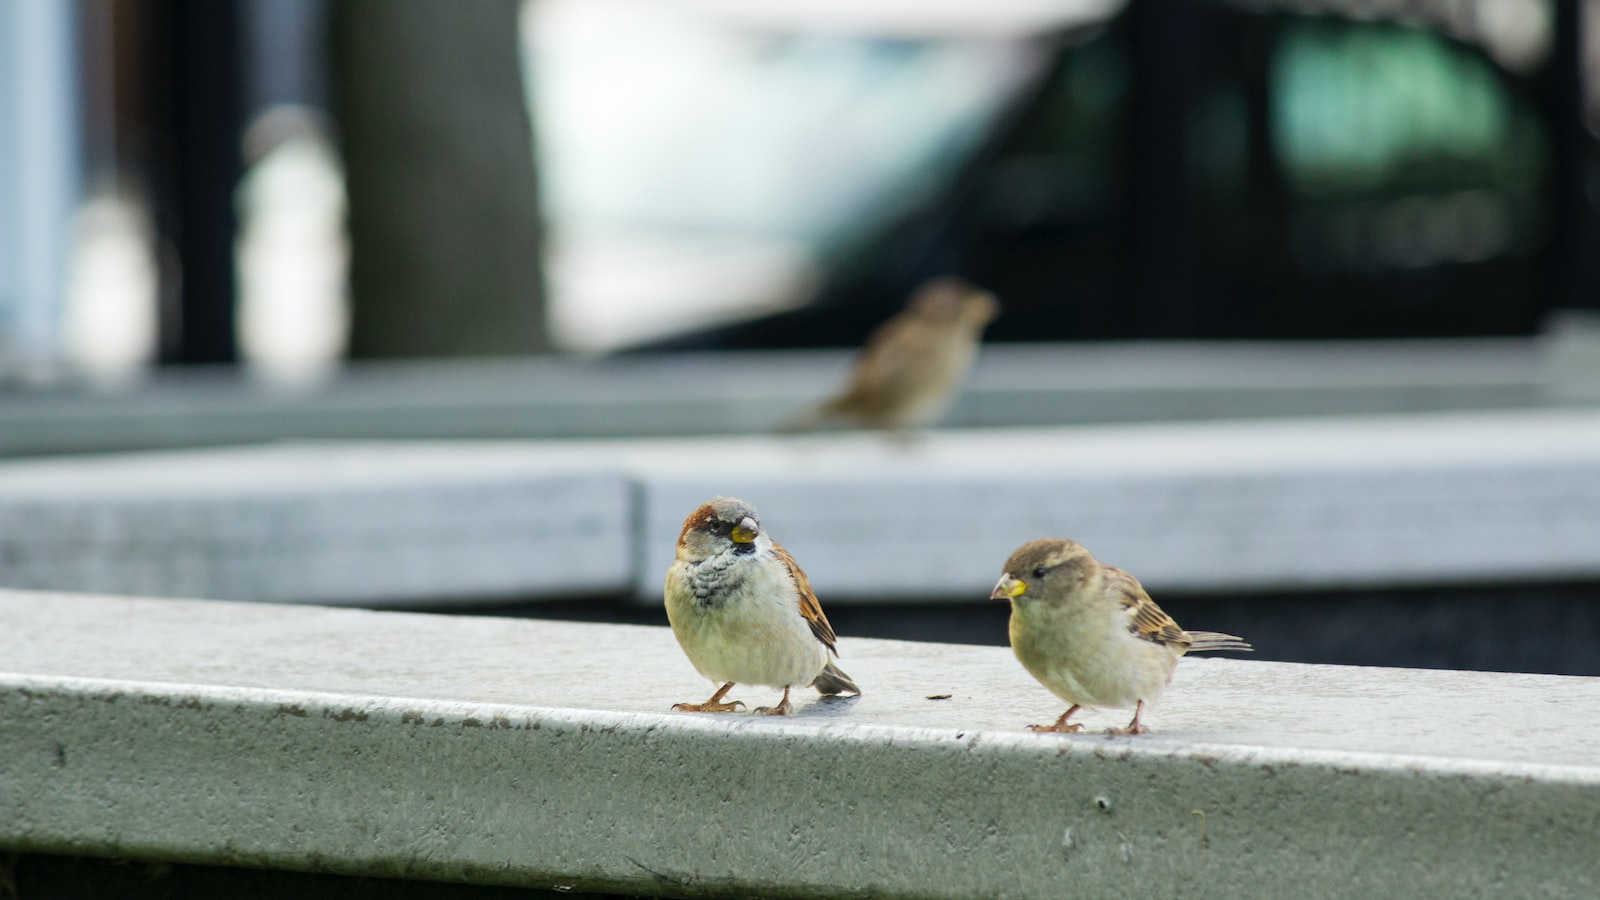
1061,723
782,709
715,704
1134,727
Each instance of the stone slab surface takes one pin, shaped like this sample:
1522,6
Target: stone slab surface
1200,506
543,754
315,523
1307,503
730,393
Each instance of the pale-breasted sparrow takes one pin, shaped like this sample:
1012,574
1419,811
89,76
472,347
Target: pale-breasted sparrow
744,612
1090,633
910,368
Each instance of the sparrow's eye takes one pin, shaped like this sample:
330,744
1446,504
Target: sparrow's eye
1039,571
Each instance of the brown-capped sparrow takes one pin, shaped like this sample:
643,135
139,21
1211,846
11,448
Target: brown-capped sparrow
910,368
744,612
1090,633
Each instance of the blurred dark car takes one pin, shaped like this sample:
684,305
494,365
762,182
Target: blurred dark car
1218,170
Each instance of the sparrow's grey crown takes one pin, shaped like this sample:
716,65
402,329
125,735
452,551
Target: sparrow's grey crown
715,523
732,509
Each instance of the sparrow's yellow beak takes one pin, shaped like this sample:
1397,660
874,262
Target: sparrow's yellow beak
745,532
1008,588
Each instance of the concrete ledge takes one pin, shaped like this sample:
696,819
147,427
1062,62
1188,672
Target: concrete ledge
315,523
732,393
541,754
1202,506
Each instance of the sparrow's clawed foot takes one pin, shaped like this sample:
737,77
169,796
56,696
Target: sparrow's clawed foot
715,704
708,707
1061,725
782,709
1134,727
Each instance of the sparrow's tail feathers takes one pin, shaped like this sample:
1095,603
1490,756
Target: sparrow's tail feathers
834,681
1212,640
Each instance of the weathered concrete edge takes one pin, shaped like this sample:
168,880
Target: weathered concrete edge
403,538
665,394
680,805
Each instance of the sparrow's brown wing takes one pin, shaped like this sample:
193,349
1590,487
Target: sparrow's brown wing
1145,618
887,351
809,607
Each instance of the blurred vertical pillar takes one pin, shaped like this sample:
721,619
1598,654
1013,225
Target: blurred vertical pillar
1267,191
39,175
284,45
1572,185
1163,37
195,104
439,168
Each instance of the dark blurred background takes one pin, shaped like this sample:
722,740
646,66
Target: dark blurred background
278,186
622,175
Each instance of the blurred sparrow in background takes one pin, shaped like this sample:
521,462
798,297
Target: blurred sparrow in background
1090,633
744,612
911,367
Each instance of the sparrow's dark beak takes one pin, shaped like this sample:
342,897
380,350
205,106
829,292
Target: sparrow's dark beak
1008,588
745,532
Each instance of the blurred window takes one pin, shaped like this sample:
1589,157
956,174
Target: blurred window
1370,109
1402,148
696,166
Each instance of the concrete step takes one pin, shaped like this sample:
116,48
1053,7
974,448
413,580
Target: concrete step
544,754
327,523
1232,506
742,393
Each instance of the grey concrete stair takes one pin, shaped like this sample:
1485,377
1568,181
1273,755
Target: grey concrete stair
734,393
543,754
334,523
1330,502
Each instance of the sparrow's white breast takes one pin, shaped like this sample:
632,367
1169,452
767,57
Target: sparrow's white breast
738,619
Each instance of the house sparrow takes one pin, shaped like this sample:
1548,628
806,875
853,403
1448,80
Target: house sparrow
909,369
744,612
1090,633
